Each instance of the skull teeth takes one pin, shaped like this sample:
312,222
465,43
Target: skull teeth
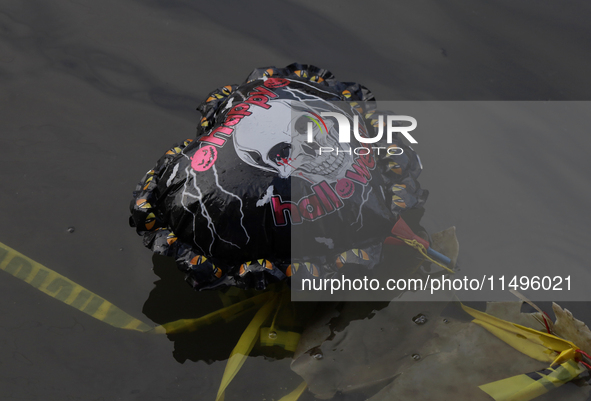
327,165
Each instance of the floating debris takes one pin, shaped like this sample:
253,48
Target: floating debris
420,319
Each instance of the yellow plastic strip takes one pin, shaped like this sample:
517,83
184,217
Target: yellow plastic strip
63,289
421,248
527,387
535,344
244,346
559,353
287,340
225,314
295,394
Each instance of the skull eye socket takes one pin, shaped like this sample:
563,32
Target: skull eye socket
280,153
301,125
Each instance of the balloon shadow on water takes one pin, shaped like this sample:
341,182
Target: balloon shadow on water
173,299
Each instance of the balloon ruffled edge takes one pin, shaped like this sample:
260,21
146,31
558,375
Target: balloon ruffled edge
203,272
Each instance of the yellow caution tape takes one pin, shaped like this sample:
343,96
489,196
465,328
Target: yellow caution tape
245,344
225,314
529,386
559,353
63,289
536,344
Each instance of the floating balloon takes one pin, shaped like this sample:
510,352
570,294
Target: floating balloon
252,200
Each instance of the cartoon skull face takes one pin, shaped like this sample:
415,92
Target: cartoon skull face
275,139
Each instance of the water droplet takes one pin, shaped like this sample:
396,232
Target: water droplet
71,229
416,357
420,319
318,356
272,335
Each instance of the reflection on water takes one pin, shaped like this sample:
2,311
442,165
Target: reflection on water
172,299
360,350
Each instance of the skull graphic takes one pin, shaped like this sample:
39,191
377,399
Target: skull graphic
275,139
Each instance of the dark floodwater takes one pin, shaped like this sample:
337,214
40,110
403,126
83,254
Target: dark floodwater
91,96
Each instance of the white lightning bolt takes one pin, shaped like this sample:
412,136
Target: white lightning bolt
359,215
217,182
311,86
205,213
